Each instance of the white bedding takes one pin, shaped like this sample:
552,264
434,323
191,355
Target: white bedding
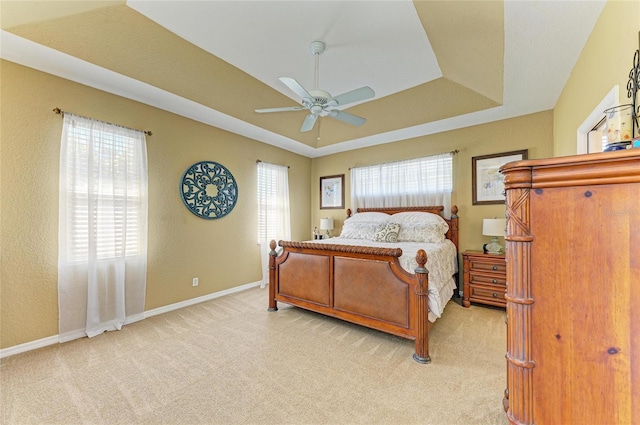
442,263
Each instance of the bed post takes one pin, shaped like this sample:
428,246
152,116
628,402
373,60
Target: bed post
273,306
453,236
453,226
422,314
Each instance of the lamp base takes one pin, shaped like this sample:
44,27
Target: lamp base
494,247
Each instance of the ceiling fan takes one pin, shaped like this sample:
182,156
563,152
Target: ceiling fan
319,102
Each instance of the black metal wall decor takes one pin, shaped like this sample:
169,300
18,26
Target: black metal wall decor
208,190
632,88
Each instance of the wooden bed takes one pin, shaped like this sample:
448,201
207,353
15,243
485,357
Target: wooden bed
363,285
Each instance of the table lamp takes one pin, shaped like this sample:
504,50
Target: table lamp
326,224
494,227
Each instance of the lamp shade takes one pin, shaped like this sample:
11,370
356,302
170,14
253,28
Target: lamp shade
494,226
326,224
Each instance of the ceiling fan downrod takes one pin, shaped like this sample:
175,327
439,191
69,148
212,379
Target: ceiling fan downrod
317,48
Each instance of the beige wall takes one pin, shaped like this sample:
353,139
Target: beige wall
182,246
605,62
222,253
532,132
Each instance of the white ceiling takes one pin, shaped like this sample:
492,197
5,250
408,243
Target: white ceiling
381,44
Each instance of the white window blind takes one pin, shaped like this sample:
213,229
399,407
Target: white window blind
104,181
273,202
413,182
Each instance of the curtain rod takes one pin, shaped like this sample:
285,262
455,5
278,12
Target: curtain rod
61,112
259,160
453,152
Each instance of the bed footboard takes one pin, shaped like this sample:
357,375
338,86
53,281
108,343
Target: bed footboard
363,285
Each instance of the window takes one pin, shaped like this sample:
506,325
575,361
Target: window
597,137
273,210
591,134
103,177
273,202
413,182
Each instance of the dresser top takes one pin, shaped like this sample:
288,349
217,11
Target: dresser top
578,170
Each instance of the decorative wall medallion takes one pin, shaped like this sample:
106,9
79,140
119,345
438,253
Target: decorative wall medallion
208,190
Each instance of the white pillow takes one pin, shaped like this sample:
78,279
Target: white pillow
416,217
428,233
387,232
351,230
368,217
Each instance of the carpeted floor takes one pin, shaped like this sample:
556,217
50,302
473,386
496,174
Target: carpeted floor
229,361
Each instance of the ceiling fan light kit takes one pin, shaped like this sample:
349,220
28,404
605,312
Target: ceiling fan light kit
320,103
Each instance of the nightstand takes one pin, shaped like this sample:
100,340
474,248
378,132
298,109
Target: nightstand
484,279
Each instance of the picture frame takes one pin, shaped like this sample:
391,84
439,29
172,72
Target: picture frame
332,192
487,182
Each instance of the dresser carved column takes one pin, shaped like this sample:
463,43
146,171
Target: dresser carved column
518,245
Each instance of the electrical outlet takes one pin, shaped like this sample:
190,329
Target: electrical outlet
195,281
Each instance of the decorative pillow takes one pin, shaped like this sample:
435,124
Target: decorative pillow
368,217
387,232
351,230
416,217
428,233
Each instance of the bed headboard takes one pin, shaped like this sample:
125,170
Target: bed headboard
452,234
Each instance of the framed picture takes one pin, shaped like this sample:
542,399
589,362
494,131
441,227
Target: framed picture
487,181
332,192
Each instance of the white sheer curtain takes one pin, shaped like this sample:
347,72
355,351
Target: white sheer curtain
102,259
273,210
409,183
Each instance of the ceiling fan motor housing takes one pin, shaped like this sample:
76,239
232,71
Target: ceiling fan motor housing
318,102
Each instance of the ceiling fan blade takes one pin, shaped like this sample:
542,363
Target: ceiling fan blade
347,117
296,87
353,96
308,123
284,109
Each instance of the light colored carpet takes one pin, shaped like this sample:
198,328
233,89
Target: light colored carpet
229,361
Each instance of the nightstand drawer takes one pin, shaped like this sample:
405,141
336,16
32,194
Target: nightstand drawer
488,264
487,293
488,279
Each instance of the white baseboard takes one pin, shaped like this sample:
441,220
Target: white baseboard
81,333
28,346
192,301
51,340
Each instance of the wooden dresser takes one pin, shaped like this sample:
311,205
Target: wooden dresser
483,279
573,289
